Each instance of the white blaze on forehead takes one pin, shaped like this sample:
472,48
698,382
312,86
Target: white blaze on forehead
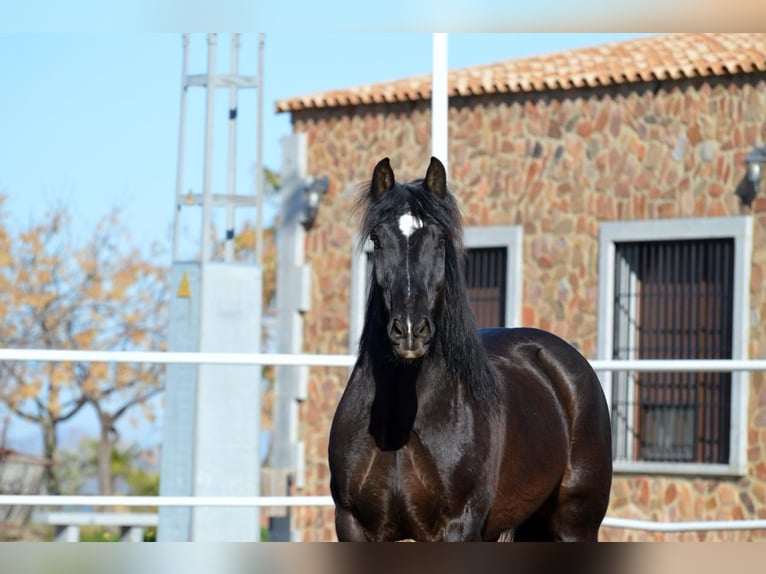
408,224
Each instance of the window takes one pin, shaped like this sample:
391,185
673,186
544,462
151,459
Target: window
493,278
676,289
486,283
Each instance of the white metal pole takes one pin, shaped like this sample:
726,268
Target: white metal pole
440,101
259,187
228,249
208,162
181,140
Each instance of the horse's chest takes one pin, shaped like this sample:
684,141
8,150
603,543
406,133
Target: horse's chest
407,472
403,495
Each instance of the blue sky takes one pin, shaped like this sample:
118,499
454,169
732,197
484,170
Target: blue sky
92,120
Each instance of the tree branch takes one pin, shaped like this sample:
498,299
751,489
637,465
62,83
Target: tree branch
77,406
135,401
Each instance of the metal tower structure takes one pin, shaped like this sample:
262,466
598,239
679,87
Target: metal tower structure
212,413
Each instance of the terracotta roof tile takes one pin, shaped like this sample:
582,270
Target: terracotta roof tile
671,56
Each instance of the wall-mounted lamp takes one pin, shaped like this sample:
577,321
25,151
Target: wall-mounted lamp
753,162
313,191
754,166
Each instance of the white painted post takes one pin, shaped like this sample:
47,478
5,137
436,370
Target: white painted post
132,534
231,175
440,101
207,169
68,533
260,188
293,298
181,146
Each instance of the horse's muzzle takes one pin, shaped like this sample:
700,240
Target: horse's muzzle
410,339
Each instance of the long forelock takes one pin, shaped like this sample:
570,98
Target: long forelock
413,198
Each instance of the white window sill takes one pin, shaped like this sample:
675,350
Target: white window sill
691,469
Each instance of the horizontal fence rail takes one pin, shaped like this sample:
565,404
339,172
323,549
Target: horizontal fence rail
175,501
326,501
691,526
171,357
301,360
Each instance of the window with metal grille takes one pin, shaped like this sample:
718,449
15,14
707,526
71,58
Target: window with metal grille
485,274
673,300
676,289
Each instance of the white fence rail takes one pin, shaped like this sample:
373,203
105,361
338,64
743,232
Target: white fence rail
143,501
67,524
277,359
300,360
326,501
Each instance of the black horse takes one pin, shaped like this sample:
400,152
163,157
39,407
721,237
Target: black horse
446,433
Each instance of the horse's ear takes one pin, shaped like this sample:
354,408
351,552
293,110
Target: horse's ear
436,177
382,178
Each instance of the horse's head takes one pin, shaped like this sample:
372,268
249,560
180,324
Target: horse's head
414,227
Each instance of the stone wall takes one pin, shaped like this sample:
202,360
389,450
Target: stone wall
557,164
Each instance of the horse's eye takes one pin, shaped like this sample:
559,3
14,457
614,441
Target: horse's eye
442,242
375,241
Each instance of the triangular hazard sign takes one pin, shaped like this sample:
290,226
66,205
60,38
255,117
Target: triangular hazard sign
183,289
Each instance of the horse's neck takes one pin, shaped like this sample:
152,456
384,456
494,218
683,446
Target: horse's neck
402,391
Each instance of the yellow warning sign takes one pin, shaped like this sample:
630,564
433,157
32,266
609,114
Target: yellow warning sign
183,289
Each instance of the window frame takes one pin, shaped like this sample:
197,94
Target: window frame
738,228
508,236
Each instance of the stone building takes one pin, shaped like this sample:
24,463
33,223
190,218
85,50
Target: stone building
607,185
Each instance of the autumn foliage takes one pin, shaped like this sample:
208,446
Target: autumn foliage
61,292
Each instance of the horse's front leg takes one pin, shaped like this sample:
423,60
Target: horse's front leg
467,527
347,528
458,531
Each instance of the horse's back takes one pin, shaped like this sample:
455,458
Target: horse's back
552,389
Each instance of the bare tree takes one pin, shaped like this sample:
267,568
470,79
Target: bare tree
100,295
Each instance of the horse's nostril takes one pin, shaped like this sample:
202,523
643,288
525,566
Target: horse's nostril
423,329
396,329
